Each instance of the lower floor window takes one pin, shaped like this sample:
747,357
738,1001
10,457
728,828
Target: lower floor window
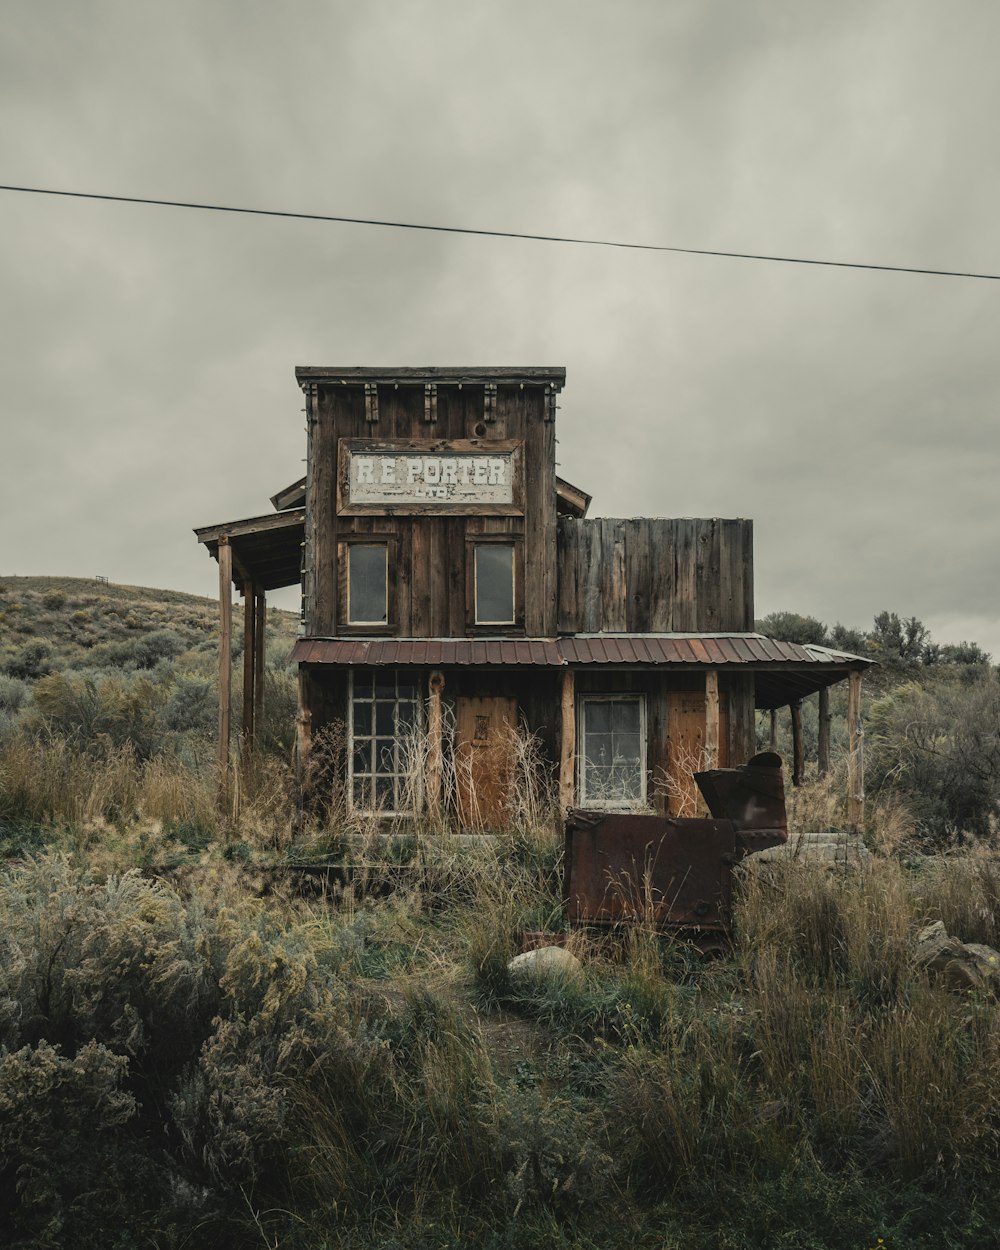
384,748
613,751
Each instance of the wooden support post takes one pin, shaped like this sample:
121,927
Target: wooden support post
303,746
249,663
773,742
225,667
435,735
798,748
823,741
712,718
567,750
855,756
260,645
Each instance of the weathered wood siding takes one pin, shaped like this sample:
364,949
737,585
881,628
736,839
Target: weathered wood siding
654,575
430,552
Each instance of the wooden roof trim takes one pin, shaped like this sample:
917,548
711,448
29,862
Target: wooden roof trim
293,496
535,375
574,500
290,519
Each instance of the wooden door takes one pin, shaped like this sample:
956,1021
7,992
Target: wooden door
484,759
686,749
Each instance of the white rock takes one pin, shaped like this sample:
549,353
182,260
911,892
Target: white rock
546,961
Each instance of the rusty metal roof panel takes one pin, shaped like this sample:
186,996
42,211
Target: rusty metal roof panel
613,650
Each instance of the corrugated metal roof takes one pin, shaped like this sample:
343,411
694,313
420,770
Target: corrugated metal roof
707,650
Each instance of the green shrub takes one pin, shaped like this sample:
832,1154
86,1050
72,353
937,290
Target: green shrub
31,661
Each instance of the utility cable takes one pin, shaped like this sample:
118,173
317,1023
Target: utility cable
503,234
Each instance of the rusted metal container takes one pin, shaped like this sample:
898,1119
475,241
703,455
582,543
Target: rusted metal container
674,873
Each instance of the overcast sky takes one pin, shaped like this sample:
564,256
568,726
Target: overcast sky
146,371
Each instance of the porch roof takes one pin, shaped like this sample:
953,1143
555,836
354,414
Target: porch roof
783,671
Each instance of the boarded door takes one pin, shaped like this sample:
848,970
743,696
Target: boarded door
686,749
484,759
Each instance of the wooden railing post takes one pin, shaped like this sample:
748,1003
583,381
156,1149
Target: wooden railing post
773,741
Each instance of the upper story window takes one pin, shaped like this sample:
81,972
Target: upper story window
613,755
367,583
493,583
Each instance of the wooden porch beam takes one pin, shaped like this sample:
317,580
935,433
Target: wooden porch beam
712,718
225,668
303,746
435,734
249,662
773,741
567,748
798,747
855,756
823,741
260,647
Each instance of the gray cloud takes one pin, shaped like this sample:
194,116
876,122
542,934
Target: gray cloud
146,375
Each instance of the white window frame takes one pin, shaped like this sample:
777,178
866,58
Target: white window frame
419,728
512,548
348,551
609,805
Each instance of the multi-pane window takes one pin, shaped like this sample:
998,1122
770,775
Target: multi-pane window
494,583
367,583
385,723
612,755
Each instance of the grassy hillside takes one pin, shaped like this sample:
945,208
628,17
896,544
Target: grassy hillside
81,623
197,1049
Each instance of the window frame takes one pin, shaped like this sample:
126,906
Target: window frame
420,727
611,805
344,545
516,543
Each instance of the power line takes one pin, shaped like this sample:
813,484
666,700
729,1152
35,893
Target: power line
501,234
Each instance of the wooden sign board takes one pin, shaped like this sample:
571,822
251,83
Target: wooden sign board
447,478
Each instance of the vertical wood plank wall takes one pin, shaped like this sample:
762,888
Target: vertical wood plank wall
431,551
654,575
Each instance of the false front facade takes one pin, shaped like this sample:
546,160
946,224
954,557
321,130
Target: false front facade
459,607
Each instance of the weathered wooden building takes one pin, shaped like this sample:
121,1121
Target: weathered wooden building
453,585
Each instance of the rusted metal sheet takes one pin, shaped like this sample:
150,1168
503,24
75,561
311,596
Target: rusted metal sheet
437,652
671,873
674,873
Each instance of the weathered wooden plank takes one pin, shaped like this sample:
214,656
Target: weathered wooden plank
567,742
456,554
707,587
662,538
567,557
593,604
712,718
614,592
685,576
637,575
544,534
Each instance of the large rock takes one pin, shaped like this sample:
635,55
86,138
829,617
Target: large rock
546,961
956,964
